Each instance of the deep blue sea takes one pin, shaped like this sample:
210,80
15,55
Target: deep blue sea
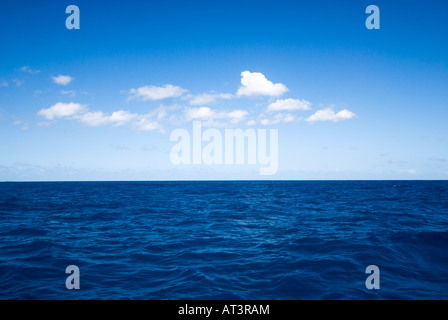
224,240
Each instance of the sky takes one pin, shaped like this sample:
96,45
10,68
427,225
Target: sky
101,102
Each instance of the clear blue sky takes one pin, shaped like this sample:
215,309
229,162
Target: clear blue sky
99,103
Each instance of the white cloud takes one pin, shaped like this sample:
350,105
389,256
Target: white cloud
18,82
156,93
74,111
99,118
236,116
289,105
199,113
70,93
62,80
209,115
256,84
93,119
208,98
3,83
147,124
61,109
329,115
278,118
38,93
122,117
29,70
23,125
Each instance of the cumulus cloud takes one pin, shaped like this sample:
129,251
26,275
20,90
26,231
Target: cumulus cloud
207,98
73,111
289,105
29,70
156,93
199,113
93,119
62,80
256,84
144,122
60,110
122,117
329,115
210,116
99,118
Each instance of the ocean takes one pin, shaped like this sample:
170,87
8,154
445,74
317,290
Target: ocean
224,239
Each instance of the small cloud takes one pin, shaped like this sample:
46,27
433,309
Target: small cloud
3,83
93,119
76,112
60,110
62,80
199,113
18,82
151,120
69,93
156,93
38,93
210,116
255,84
121,117
278,118
289,105
207,98
29,70
98,118
146,124
23,125
329,115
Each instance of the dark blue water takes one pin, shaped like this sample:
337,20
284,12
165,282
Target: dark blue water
224,240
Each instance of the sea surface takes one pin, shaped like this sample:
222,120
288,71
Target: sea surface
224,239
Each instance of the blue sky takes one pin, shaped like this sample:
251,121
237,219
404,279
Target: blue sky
99,103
